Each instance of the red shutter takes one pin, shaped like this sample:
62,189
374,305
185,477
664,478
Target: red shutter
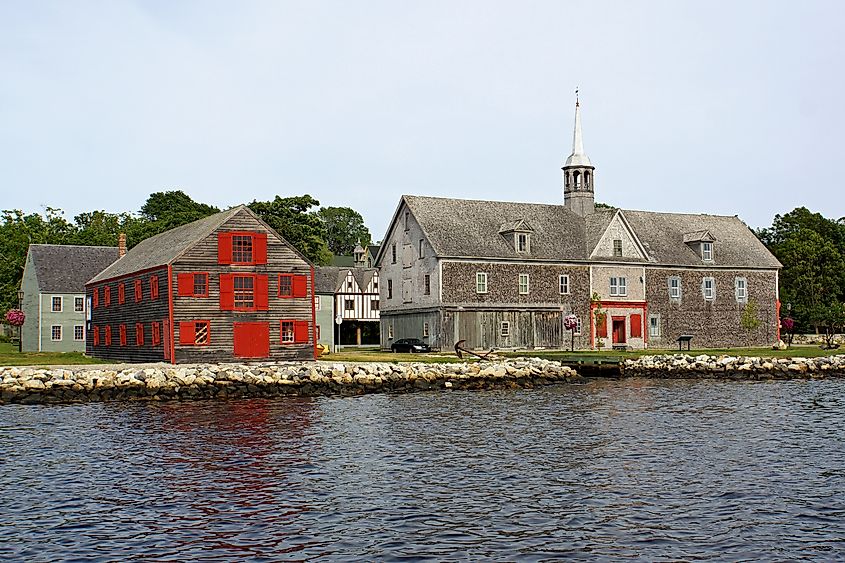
107,296
96,300
300,331
123,335
636,326
259,248
262,290
300,286
138,290
185,285
96,336
121,293
227,292
139,334
187,333
156,334
153,287
224,248
601,329
108,335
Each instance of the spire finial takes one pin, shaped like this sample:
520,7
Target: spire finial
576,97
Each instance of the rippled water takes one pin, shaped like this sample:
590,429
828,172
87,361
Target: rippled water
655,470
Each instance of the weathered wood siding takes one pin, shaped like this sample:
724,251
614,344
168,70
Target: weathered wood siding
526,329
411,325
281,259
146,311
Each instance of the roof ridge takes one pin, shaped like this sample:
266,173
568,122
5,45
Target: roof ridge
681,213
73,245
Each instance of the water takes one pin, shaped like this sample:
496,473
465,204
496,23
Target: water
632,469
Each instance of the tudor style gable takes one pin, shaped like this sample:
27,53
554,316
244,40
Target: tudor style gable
619,242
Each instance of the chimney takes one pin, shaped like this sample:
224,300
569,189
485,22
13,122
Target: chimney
121,245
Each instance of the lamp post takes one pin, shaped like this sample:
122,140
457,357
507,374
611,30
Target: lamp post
20,327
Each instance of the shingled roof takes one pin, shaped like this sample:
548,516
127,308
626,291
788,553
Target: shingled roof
62,268
472,229
329,279
165,247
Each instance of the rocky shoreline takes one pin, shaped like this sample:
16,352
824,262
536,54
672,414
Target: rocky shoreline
28,385
683,366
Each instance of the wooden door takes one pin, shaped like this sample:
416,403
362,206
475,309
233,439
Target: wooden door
252,340
619,330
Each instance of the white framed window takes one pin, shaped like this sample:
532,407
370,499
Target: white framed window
564,284
79,304
390,330
318,304
708,288
578,326
523,243
56,333
481,282
78,332
617,247
56,304
425,330
618,287
422,249
523,284
741,289
707,251
505,329
654,326
674,287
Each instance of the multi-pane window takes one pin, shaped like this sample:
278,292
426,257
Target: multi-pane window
709,289
78,332
523,284
564,284
674,287
56,304
374,305
618,287
390,289
393,253
287,332
242,249
741,290
578,326
244,292
522,242
286,285
617,247
201,285
56,332
427,284
653,326
707,251
505,328
480,282
425,330
78,304
348,304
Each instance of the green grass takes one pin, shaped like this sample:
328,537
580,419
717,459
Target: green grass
9,356
794,352
378,356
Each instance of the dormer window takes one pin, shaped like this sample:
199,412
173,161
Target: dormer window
522,242
707,251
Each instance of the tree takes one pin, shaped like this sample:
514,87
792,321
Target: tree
99,228
344,227
289,216
167,210
831,318
750,321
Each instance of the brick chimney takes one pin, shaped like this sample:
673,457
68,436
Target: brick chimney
121,245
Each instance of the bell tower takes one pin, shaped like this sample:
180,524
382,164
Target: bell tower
578,177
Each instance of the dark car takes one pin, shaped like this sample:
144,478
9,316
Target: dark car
410,345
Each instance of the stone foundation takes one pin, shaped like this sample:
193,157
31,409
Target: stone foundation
682,366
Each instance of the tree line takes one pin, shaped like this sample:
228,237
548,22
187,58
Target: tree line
317,232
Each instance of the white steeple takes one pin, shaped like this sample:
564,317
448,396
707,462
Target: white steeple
578,172
577,158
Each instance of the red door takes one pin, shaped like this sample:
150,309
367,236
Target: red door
619,330
252,340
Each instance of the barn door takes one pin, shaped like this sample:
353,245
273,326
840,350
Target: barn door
252,340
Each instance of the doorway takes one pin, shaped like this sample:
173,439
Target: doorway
619,330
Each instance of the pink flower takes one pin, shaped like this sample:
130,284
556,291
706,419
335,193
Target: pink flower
15,317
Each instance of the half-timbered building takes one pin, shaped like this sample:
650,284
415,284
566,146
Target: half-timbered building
506,274
347,306
223,288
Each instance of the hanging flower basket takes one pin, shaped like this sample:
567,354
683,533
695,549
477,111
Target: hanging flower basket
570,322
15,317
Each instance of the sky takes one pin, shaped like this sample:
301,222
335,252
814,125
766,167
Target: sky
731,108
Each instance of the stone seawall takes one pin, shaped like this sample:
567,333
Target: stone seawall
682,366
205,381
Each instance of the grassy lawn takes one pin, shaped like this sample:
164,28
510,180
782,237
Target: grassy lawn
9,356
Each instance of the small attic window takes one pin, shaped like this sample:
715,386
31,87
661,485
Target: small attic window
523,242
707,251
617,247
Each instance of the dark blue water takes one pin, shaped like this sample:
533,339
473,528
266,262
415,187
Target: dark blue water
611,470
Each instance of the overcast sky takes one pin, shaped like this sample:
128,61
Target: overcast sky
705,107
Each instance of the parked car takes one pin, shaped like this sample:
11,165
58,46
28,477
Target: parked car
410,345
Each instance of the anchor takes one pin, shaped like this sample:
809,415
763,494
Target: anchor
459,349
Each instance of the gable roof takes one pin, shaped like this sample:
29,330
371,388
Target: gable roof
330,279
164,248
61,268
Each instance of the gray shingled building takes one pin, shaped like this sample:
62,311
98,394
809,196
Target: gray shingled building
505,274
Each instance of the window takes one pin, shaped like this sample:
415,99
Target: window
618,287
523,284
393,253
422,249
121,293
56,304
244,291
285,285
480,282
193,284
156,330
107,335
242,249
390,289
390,330
674,287
350,284
375,282
78,332
317,336
139,334
406,220
122,331
291,285
318,306
293,332
107,296
522,242
96,330
200,285
79,304
578,326
374,304
741,290
617,247
564,284
153,287
348,304
287,332
139,290
654,326
505,328
56,332
708,286
425,330
427,284
707,251
195,333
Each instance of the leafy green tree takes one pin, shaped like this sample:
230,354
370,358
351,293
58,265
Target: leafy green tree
750,321
164,211
290,217
830,317
99,228
344,227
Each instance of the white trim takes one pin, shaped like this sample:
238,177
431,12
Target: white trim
560,284
616,263
527,279
440,280
638,246
712,281
61,303
40,319
504,329
75,339
477,285
61,333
